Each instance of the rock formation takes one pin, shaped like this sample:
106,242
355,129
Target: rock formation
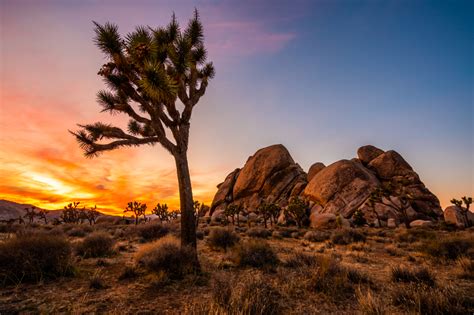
271,175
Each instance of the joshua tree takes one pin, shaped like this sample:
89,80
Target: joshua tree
465,210
137,208
297,210
174,214
91,214
231,211
358,218
161,211
383,195
30,214
41,214
153,69
269,212
70,213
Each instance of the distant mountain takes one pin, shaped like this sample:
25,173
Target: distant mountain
13,210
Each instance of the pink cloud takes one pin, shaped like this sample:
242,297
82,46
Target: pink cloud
237,38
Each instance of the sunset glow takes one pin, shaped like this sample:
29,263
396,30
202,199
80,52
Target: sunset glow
276,82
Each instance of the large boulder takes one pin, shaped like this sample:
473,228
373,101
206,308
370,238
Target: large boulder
270,175
259,167
367,153
315,169
224,191
455,215
327,221
341,187
391,167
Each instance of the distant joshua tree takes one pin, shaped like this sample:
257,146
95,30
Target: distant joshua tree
383,196
154,70
91,214
297,210
30,214
161,211
465,210
41,214
71,214
269,212
137,208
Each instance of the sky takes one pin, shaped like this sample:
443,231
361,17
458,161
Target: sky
321,77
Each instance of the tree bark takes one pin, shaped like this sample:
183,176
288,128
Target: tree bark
188,220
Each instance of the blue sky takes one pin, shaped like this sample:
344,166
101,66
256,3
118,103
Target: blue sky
320,77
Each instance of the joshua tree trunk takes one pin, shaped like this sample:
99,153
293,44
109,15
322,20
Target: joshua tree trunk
188,220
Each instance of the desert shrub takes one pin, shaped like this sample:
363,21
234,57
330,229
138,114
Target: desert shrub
415,234
33,257
416,275
166,255
200,235
222,238
149,232
97,244
332,279
222,290
79,231
254,295
250,294
300,259
358,218
128,272
422,299
259,232
316,236
347,236
465,268
449,248
97,281
258,254
370,304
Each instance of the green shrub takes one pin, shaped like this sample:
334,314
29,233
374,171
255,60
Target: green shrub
34,257
222,238
153,231
258,254
97,244
347,236
167,256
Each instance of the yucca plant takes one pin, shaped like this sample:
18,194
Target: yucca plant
148,72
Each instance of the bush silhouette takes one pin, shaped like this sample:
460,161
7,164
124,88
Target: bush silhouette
33,257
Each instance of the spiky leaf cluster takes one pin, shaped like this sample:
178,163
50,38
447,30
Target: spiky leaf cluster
147,72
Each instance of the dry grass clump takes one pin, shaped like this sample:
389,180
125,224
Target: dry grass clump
465,268
97,244
166,255
79,231
423,299
129,272
370,304
34,257
258,232
316,236
258,254
222,238
301,259
347,236
449,248
420,275
415,234
149,232
249,294
332,279
97,282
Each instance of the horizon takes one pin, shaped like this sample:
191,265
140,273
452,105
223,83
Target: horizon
320,78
